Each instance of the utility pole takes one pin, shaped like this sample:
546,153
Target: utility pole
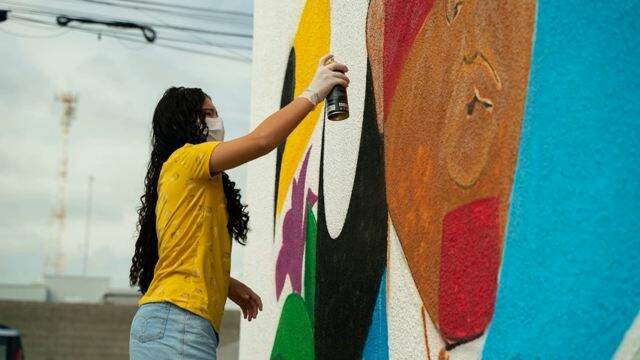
87,227
69,101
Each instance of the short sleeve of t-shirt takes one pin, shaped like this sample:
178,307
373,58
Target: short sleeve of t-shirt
194,159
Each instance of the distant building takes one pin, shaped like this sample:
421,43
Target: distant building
77,289
65,288
24,292
121,297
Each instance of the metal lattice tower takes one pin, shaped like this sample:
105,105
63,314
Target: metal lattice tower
69,101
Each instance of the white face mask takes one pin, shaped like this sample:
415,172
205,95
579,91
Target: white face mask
216,129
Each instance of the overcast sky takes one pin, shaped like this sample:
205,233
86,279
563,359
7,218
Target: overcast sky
118,85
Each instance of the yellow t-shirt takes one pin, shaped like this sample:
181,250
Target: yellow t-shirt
194,245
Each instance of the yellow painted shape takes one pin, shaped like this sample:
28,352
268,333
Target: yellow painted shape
310,43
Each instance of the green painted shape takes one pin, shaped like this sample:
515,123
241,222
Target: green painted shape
294,337
310,264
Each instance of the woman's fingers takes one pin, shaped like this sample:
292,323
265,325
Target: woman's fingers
324,59
341,76
248,309
339,81
251,305
254,309
338,67
256,299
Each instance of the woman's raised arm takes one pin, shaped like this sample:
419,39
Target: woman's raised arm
275,128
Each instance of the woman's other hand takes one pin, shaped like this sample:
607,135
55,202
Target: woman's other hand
245,298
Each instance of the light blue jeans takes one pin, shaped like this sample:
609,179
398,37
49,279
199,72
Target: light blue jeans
163,330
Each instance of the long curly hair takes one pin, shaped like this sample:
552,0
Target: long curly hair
178,119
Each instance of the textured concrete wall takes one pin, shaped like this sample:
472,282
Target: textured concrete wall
53,331
482,198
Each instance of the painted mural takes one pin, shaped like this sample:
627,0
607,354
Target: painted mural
404,231
451,157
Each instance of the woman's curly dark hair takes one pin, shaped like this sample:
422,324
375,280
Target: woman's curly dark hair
178,119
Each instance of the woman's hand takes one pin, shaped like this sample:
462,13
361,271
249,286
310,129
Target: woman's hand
274,130
328,75
247,300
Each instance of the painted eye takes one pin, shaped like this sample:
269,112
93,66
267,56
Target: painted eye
452,9
478,100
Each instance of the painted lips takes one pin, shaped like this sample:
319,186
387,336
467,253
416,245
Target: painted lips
469,264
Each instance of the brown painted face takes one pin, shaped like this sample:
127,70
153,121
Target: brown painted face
451,134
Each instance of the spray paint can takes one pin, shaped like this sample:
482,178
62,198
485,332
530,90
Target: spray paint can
337,103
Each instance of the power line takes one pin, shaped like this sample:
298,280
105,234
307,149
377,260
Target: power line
135,40
174,6
57,11
139,7
244,60
204,40
31,36
171,6
156,25
148,33
45,10
180,48
32,21
196,30
129,47
215,15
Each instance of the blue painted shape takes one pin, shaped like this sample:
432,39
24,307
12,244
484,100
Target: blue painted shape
570,281
376,347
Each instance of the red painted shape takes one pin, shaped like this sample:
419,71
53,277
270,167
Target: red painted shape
469,265
402,21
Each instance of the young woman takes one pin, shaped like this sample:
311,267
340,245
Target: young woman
190,211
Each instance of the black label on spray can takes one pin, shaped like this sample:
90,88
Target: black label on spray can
337,104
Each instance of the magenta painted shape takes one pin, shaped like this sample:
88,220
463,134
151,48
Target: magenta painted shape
294,230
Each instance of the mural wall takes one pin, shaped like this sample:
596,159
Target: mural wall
481,200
